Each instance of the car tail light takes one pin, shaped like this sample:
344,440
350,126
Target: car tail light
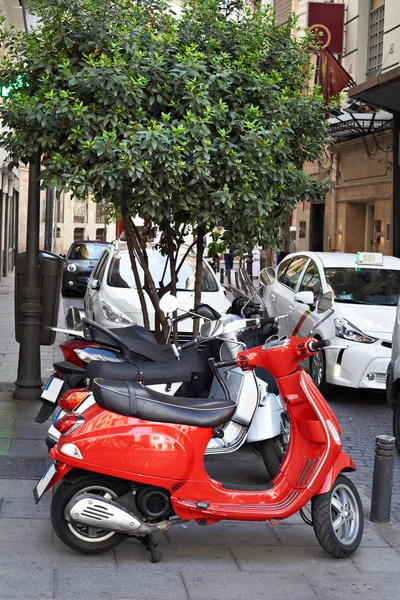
66,423
72,398
68,350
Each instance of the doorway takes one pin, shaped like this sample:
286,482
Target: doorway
317,227
369,227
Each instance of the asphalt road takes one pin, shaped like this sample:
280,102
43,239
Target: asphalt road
362,416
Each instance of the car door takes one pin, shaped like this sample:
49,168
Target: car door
288,276
96,275
304,316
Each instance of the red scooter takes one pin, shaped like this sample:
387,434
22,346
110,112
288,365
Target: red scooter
134,465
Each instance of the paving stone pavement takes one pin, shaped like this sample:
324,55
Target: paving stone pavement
228,560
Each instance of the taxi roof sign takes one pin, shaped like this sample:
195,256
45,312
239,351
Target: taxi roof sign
369,258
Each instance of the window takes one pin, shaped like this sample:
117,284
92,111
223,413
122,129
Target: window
58,232
85,251
282,269
294,271
375,38
364,286
98,271
79,212
79,233
120,273
311,281
101,212
101,235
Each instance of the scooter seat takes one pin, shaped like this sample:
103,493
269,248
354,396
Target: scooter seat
135,400
148,373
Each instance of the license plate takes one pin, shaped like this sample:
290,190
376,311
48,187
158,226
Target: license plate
52,389
45,481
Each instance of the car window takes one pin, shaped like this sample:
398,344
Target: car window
82,251
282,268
294,271
361,285
311,281
99,265
120,273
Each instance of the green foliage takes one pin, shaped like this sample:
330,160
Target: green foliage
203,118
216,247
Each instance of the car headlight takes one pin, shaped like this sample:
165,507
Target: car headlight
72,267
346,330
113,314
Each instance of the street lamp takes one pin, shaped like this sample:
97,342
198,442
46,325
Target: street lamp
29,382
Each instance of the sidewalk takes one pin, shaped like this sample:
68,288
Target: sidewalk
231,561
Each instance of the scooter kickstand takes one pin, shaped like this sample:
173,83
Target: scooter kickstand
148,541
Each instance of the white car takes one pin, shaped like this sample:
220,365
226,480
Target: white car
112,300
366,289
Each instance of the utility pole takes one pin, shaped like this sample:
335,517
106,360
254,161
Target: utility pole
28,381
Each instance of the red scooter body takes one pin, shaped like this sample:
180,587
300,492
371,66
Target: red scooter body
171,456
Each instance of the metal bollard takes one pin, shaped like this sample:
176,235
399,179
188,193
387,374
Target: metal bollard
383,479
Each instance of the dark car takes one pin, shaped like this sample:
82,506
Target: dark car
78,265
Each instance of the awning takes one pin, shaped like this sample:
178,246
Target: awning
352,124
382,91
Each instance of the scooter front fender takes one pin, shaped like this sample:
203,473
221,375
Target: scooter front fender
266,423
343,463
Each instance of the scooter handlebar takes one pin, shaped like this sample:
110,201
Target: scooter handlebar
226,363
318,345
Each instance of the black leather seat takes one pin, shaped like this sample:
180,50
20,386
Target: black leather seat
146,372
134,400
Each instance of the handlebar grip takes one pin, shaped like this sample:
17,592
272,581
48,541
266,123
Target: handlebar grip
267,321
226,363
181,318
188,344
318,345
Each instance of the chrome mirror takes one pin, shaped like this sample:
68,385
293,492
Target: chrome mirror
169,303
211,329
267,276
325,302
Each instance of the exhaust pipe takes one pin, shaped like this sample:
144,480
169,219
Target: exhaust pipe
94,511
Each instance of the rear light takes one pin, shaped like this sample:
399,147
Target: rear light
66,423
68,350
72,398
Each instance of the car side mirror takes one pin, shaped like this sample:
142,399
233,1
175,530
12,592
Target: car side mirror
304,297
95,285
325,302
267,276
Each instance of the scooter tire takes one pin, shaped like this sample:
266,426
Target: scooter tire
272,454
324,510
396,424
70,534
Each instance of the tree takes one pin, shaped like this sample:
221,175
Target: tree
188,121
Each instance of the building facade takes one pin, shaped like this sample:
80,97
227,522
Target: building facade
357,212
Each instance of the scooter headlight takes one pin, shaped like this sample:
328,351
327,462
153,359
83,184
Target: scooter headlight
113,314
347,331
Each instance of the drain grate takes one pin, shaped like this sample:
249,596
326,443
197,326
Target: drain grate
6,387
13,467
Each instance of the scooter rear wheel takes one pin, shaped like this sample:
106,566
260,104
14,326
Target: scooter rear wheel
82,538
338,519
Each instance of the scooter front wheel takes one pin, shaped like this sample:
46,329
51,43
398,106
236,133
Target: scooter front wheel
82,538
338,519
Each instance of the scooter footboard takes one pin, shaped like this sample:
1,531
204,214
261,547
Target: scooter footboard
343,463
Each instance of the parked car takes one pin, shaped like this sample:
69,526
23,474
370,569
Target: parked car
78,265
112,300
393,379
366,289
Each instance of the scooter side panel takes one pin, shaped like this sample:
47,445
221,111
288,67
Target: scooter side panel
116,444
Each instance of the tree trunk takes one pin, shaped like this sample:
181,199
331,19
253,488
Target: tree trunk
201,231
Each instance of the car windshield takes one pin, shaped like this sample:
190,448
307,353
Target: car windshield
120,273
84,251
361,285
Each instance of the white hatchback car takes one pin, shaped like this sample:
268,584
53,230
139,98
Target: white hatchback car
112,300
366,289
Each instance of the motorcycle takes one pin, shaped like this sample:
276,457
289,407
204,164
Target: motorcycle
133,464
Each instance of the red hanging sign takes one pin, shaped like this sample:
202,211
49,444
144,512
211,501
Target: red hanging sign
327,20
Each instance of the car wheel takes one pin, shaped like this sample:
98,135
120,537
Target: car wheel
318,373
396,424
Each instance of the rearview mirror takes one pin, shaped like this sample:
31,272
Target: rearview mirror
325,302
74,318
304,297
169,303
95,285
267,276
211,329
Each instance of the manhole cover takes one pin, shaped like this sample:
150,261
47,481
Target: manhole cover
6,387
21,468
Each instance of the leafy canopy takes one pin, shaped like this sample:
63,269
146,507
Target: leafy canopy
200,118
